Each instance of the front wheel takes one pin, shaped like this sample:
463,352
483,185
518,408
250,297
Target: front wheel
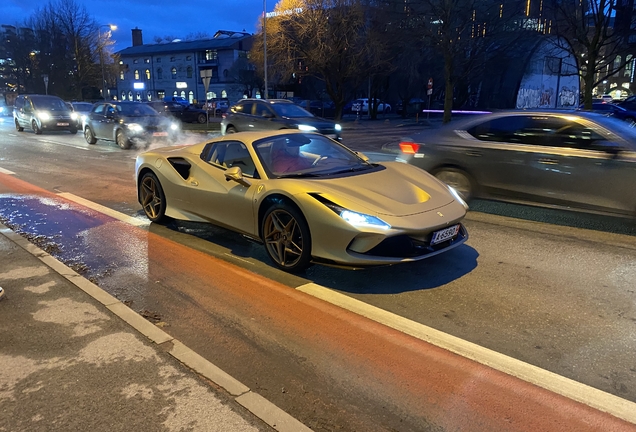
89,136
152,198
202,118
17,126
36,128
287,238
458,180
121,140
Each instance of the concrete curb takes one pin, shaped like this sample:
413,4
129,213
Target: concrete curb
255,403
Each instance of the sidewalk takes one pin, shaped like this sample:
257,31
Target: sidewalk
72,357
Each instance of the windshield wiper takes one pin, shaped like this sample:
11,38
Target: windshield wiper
353,169
300,175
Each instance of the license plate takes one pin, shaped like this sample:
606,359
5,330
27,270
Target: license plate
160,134
62,124
445,234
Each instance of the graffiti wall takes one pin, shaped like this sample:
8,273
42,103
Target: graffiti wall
550,81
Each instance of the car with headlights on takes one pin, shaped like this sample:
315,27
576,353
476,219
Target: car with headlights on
567,159
186,114
128,124
43,113
81,109
275,114
305,197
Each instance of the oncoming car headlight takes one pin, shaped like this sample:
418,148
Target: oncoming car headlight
359,220
43,115
74,116
338,127
135,127
306,128
174,126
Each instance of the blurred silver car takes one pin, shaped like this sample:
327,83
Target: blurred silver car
577,160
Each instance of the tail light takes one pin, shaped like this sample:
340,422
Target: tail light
409,147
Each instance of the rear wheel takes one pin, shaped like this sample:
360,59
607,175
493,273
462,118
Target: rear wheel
231,129
202,118
17,126
152,198
458,180
121,140
36,128
286,237
89,136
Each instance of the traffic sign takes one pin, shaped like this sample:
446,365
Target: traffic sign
430,83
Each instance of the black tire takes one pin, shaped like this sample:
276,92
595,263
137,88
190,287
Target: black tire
286,237
122,141
202,118
35,127
230,129
459,180
73,131
18,127
89,136
152,198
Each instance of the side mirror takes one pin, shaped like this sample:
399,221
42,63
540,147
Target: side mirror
362,156
236,174
267,115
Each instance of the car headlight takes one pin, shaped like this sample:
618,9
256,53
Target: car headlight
135,127
338,128
44,115
306,128
457,196
174,126
358,220
74,116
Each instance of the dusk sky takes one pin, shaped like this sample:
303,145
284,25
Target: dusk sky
155,17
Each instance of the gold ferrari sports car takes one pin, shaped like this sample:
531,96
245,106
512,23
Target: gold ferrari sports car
307,198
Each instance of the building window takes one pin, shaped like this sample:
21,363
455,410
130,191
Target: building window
191,96
210,55
138,96
135,61
159,73
225,73
183,94
175,94
147,74
121,75
188,58
130,95
211,95
223,94
136,74
173,71
123,95
149,96
189,72
147,60
171,59
158,59
161,94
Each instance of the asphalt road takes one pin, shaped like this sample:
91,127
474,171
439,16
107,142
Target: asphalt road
550,288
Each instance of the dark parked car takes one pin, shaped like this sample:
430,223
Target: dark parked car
572,159
187,114
43,112
275,114
614,110
128,123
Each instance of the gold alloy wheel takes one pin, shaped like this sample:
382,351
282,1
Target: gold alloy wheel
283,238
151,197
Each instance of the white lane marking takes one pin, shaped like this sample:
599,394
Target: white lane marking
62,143
563,386
4,171
107,211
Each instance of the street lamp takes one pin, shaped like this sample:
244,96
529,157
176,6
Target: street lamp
111,27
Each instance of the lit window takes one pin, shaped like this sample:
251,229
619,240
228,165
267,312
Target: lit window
147,74
147,60
175,94
149,96
191,96
183,94
138,96
121,75
136,74
210,54
130,95
173,71
123,95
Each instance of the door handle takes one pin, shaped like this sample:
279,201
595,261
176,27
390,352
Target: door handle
473,153
194,183
548,161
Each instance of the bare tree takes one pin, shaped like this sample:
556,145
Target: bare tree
597,34
329,40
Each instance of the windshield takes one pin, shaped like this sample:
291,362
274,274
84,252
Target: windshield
82,107
290,110
136,110
306,155
50,104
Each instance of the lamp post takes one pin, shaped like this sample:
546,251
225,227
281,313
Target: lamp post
111,27
265,44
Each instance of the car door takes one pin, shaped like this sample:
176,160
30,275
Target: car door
576,166
242,116
212,196
96,120
264,117
110,120
496,155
